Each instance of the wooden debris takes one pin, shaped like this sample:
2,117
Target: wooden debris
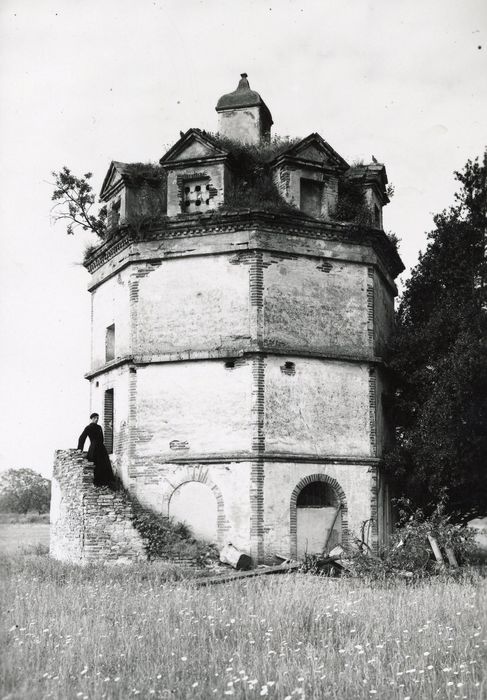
232,556
436,550
238,575
451,557
330,531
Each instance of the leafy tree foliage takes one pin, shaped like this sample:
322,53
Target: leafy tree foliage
74,199
23,490
439,358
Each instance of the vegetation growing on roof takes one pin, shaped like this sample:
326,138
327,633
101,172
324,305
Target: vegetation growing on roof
76,200
254,153
140,173
394,239
351,205
253,186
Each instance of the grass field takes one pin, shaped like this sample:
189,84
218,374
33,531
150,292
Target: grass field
129,632
24,533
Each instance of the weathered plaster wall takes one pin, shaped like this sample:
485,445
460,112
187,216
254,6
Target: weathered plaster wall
229,483
315,305
321,408
385,434
89,523
110,304
146,200
280,480
243,125
193,303
373,201
193,408
241,238
383,314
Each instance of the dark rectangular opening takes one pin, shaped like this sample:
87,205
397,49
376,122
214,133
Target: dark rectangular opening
108,420
311,197
110,343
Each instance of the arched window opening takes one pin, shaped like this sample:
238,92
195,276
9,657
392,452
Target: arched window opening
318,494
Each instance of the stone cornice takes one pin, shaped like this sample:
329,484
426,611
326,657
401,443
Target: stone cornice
194,225
228,457
229,353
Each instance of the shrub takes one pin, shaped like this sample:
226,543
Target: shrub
351,205
409,550
164,538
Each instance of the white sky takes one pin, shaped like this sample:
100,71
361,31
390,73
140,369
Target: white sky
82,83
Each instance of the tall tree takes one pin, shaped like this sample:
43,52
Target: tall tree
75,199
439,358
22,490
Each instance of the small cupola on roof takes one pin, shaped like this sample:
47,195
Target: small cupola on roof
243,115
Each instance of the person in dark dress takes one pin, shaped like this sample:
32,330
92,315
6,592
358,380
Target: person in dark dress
97,453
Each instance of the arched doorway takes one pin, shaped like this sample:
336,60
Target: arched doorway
318,511
194,504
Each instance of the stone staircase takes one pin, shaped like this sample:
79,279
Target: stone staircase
89,523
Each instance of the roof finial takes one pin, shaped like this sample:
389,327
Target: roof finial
243,83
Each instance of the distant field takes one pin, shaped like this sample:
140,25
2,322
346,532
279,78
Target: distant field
15,537
93,633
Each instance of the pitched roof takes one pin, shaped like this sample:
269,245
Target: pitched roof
318,141
193,135
116,167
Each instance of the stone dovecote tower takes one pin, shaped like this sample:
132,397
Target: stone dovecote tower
237,350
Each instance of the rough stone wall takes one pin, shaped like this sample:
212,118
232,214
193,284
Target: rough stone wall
89,523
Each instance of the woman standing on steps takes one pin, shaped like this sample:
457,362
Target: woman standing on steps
97,453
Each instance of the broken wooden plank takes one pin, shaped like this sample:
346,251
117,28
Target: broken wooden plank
436,550
337,512
231,576
451,557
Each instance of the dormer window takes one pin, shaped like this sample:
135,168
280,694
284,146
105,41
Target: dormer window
196,196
